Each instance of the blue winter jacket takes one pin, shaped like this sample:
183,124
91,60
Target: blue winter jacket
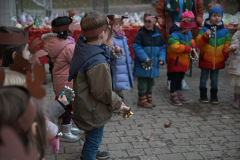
148,44
121,68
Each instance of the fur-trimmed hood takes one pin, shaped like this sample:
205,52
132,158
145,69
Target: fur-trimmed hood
53,45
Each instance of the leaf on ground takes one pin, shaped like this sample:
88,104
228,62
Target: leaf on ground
225,117
166,125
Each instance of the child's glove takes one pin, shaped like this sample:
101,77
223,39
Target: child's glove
54,144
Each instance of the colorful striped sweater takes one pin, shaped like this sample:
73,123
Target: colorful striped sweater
213,51
179,47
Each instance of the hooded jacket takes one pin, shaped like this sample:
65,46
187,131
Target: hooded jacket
61,52
179,47
121,68
234,67
213,51
148,44
92,82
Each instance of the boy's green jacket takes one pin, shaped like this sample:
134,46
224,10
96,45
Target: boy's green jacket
92,84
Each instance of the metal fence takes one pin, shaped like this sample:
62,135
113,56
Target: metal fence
60,6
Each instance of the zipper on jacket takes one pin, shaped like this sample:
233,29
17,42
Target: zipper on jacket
215,45
187,45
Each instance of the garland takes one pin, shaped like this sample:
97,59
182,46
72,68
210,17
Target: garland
115,55
147,67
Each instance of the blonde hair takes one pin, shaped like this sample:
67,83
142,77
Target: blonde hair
13,78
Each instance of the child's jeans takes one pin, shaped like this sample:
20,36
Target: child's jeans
176,81
213,77
145,85
91,144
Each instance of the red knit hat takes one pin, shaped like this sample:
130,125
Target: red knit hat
188,14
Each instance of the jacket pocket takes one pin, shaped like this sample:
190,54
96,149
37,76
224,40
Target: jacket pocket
202,56
176,61
101,113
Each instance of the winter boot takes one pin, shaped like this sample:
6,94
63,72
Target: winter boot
67,135
142,101
149,99
74,130
181,98
203,95
214,98
236,100
174,99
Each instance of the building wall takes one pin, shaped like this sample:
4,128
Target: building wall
7,10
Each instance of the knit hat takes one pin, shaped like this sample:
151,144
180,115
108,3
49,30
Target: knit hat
215,10
188,14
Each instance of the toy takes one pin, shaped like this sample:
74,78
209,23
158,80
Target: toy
124,113
70,92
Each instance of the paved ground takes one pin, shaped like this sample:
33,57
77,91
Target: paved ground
198,131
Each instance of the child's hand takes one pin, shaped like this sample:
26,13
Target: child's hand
208,33
148,59
160,62
117,49
124,107
232,48
63,99
124,111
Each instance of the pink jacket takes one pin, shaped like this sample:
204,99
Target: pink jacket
61,52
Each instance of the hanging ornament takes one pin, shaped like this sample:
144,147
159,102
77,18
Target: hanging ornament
147,67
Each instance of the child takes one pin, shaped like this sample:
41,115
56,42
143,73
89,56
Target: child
120,59
60,47
169,11
180,45
13,78
19,109
233,69
214,40
14,106
149,49
17,43
92,83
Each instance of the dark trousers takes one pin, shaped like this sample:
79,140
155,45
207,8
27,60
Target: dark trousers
145,85
176,80
67,115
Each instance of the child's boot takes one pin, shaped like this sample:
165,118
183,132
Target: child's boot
174,99
143,102
149,99
203,95
74,130
236,100
67,135
181,97
214,98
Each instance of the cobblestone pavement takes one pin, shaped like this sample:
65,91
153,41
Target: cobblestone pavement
198,131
